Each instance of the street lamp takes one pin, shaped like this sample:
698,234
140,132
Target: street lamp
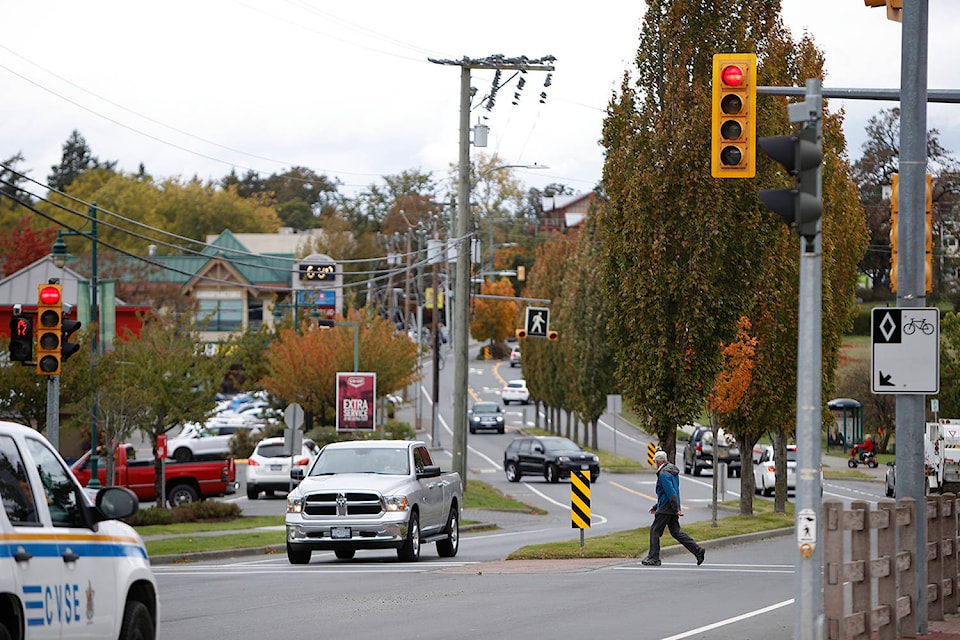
60,254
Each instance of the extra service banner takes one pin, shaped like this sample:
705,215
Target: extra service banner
356,401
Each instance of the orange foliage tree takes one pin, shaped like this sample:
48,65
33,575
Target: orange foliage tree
494,320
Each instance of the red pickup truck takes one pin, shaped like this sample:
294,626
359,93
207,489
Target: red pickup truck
183,481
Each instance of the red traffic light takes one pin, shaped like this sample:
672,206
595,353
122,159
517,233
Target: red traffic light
50,295
732,75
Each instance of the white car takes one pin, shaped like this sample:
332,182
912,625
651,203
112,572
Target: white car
209,440
764,469
515,391
268,467
514,357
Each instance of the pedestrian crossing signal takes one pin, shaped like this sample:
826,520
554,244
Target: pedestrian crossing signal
521,334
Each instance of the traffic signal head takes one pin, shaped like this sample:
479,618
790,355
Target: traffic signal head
521,334
733,121
49,329
21,338
801,155
928,236
68,348
894,222
552,335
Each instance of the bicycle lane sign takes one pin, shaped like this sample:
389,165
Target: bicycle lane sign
905,353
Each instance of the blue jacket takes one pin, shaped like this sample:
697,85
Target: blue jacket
668,489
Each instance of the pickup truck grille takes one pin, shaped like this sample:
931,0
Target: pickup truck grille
342,504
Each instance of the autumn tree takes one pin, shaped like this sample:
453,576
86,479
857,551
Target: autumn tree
301,365
24,245
494,320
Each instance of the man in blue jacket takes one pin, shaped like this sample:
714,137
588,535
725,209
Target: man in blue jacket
667,513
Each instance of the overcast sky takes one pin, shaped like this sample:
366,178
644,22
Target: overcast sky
200,87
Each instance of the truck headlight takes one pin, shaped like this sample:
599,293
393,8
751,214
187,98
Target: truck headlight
294,504
499,418
395,503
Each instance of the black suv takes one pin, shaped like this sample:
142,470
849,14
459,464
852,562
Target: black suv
698,454
552,457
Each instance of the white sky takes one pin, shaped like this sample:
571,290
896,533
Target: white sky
197,87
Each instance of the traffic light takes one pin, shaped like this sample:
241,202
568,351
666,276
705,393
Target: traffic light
50,327
801,155
68,348
521,334
552,335
928,236
894,221
21,338
734,124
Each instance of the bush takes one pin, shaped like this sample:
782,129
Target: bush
398,430
191,512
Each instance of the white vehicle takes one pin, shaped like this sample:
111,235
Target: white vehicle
210,440
268,467
68,569
515,391
941,458
764,469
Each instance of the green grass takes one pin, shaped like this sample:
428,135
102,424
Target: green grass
189,538
635,542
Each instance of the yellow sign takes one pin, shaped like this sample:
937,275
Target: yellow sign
428,299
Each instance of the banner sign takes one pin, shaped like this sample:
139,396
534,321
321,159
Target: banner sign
356,401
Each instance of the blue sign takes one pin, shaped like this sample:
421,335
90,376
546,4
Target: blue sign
317,298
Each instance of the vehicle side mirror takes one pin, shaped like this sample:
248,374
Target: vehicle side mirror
296,473
429,471
537,449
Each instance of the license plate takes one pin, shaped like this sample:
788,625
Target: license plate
276,467
340,533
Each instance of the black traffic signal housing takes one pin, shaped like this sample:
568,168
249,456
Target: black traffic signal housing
521,334
49,328
67,348
733,122
21,338
801,155
552,335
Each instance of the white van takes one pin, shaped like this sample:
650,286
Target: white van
67,568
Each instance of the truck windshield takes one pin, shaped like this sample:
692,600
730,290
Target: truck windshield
386,461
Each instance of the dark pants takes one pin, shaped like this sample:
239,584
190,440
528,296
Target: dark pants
670,521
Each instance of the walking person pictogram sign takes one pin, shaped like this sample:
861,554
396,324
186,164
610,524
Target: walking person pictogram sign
537,322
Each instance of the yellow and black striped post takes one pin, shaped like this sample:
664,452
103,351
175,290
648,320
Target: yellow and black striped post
651,449
580,500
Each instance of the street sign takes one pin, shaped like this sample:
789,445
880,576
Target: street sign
292,435
537,322
905,352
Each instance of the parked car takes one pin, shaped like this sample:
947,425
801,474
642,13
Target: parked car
552,457
211,440
268,467
486,416
515,391
764,469
890,481
514,356
698,452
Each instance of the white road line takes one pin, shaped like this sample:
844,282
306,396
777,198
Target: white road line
723,623
600,519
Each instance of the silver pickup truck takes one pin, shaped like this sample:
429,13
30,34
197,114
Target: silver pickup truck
373,494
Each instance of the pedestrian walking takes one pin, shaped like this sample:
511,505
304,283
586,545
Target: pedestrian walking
667,513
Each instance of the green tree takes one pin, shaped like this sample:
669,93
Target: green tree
77,158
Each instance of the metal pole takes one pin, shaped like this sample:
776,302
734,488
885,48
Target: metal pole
435,317
95,338
53,411
911,288
462,286
808,577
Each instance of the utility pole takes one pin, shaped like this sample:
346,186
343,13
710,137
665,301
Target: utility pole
461,324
